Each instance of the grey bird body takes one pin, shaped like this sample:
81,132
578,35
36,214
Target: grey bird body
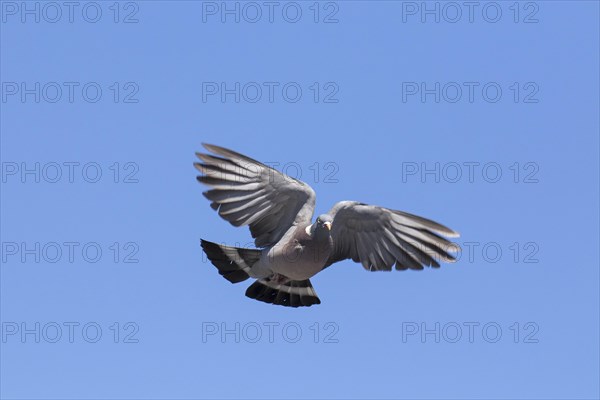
298,255
279,211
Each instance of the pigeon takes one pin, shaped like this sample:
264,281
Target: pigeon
291,248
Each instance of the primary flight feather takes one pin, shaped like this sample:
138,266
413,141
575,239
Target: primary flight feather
279,209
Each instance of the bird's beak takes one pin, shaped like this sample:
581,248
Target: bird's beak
327,225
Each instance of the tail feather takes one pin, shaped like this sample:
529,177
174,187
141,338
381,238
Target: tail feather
290,294
233,263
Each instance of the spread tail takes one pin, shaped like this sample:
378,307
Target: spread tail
233,263
289,294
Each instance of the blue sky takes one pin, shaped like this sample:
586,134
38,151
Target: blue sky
485,119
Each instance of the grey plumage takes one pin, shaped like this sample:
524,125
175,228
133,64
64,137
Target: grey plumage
278,210
291,293
247,192
379,238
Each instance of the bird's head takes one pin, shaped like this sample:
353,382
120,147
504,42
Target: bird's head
324,221
323,224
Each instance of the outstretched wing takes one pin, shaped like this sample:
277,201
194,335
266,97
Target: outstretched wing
247,192
378,238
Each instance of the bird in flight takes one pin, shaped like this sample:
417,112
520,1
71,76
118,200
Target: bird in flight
291,248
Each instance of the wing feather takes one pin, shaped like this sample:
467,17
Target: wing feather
380,238
247,192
